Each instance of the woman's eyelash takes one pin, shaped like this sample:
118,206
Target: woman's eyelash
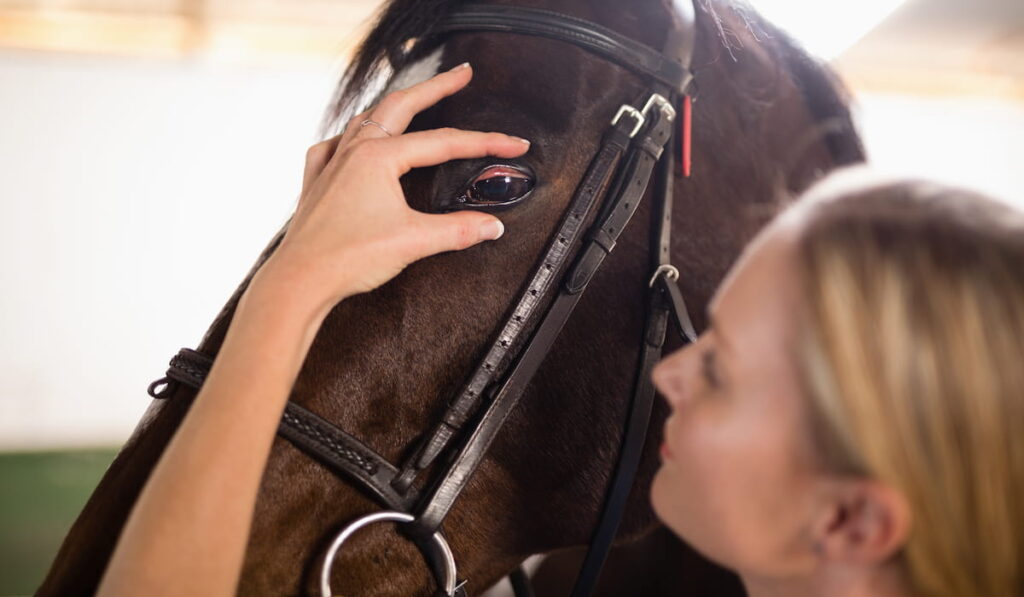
708,368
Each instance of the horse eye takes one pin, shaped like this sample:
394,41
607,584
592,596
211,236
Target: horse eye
497,185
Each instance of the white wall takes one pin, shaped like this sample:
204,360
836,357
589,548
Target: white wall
974,141
136,195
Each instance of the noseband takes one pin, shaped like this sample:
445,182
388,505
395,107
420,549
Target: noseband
631,154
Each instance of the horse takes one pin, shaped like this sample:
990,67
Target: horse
768,120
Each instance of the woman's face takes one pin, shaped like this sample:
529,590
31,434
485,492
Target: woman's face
738,466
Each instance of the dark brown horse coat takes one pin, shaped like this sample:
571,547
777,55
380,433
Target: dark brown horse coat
769,120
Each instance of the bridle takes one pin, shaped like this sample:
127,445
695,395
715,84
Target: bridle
631,154
623,167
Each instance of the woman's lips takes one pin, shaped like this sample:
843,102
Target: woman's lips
665,451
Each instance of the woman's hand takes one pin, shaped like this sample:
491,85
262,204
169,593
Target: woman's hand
353,229
351,232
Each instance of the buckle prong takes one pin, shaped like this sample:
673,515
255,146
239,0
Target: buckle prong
633,113
669,271
662,103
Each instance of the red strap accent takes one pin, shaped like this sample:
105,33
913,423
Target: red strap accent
687,135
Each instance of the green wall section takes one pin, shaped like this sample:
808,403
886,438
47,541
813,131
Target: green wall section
41,494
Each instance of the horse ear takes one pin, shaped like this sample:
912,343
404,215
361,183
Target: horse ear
740,26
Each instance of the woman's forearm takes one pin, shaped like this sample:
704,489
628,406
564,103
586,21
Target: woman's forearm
188,530
352,231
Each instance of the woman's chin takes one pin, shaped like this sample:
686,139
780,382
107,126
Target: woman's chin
662,500
669,504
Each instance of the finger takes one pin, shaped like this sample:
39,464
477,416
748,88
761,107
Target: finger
397,109
353,127
437,233
317,157
371,129
429,148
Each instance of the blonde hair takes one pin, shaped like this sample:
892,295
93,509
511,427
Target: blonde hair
912,355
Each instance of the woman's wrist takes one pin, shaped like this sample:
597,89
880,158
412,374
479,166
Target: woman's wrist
272,311
292,289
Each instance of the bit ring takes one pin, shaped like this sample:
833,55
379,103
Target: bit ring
447,559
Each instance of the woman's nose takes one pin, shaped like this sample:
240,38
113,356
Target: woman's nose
672,377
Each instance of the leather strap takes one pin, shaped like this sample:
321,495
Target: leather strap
438,502
682,38
602,41
680,315
188,367
630,452
340,452
512,336
642,403
343,454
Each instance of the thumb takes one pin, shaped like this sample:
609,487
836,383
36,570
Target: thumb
456,231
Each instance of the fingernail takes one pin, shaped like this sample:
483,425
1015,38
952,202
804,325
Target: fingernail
460,67
521,140
492,230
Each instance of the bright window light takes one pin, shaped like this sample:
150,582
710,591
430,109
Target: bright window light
825,27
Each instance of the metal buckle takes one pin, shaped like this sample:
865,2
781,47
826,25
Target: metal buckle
669,271
662,103
450,578
633,112
640,116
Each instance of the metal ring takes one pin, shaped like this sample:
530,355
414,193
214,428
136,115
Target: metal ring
669,271
450,582
369,122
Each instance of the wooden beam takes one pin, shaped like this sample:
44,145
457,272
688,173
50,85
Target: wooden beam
191,32
876,78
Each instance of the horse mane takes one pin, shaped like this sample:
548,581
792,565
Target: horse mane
401,34
386,50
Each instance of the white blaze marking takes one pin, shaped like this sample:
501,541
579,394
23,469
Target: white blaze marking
417,72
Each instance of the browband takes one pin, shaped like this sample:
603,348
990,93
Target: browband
602,41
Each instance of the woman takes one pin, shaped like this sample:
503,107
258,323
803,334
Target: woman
852,422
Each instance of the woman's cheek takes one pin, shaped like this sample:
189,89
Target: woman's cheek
678,486
693,492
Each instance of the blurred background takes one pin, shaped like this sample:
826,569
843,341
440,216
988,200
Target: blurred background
149,149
